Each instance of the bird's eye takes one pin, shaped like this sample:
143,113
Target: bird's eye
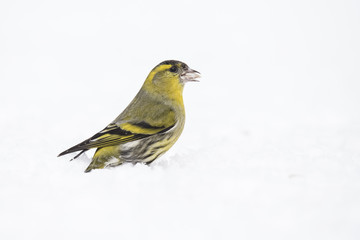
173,69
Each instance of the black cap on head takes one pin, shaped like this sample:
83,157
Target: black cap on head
174,62
170,62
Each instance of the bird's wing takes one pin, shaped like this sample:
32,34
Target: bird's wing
115,134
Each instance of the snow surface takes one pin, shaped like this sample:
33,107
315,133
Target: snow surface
271,146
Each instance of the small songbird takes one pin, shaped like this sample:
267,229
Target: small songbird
149,125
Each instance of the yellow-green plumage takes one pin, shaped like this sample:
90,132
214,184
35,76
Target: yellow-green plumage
150,124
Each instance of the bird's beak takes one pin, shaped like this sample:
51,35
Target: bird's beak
190,75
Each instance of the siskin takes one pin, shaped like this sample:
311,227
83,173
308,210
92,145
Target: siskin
150,124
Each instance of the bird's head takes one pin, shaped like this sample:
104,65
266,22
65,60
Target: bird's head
169,77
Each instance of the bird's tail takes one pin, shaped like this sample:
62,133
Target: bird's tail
104,157
70,150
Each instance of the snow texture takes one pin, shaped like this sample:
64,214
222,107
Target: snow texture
271,146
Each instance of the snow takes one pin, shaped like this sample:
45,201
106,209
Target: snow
271,146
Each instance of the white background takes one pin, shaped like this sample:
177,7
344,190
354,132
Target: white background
271,146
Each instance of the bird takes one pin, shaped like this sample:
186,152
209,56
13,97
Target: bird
149,126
